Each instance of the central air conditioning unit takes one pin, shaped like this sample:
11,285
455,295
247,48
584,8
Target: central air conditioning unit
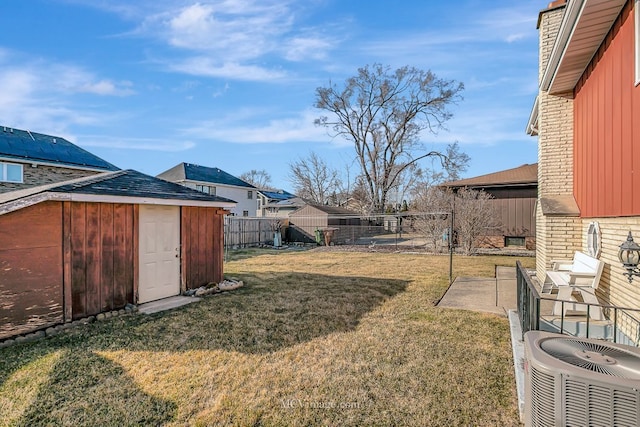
580,382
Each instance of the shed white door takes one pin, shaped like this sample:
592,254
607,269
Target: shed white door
159,252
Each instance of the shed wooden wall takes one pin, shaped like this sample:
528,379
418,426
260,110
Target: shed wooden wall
202,246
607,129
99,245
308,219
31,269
515,207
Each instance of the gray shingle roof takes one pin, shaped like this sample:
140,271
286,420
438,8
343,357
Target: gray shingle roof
191,172
131,183
26,146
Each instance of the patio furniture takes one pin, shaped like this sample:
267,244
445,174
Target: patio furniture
575,280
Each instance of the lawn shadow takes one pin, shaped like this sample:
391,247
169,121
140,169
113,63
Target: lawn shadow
272,311
84,388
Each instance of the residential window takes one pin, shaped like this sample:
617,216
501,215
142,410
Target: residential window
594,240
245,213
514,241
636,12
249,194
11,172
206,189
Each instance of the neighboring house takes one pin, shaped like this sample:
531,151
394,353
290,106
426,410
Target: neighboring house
344,223
94,244
277,203
586,117
514,193
216,182
28,159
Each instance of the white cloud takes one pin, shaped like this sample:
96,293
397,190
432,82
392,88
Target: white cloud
134,143
301,48
487,125
241,129
107,87
41,93
202,66
510,25
235,39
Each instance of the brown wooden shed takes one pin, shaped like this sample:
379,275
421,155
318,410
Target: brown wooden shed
82,247
344,222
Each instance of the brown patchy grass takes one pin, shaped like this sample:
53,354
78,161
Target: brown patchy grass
312,339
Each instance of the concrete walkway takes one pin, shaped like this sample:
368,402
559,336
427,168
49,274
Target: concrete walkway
492,295
166,304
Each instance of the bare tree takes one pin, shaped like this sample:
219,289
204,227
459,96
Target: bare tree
359,199
313,179
384,114
432,219
457,162
258,178
475,217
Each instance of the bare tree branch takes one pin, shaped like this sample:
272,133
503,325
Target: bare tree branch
384,113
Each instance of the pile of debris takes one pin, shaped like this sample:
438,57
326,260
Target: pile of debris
214,288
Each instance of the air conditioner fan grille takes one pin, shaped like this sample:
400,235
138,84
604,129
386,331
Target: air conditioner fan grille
595,357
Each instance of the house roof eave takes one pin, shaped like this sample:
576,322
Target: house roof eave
584,26
532,124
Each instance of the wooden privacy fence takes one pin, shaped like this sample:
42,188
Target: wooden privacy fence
241,232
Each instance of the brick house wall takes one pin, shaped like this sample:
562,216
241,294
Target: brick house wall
558,233
43,174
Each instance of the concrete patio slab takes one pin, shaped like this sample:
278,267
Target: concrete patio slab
166,304
492,295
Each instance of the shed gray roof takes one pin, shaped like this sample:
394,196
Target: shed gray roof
25,146
131,183
124,184
330,210
191,172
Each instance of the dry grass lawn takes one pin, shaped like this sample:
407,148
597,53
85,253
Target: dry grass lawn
313,338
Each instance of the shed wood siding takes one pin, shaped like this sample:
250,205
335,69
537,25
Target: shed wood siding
31,269
101,256
517,216
516,209
607,129
308,219
202,250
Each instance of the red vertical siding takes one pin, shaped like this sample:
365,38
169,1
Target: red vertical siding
107,279
31,287
606,106
102,257
202,246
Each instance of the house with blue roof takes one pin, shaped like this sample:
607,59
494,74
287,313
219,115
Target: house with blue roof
216,182
29,159
278,203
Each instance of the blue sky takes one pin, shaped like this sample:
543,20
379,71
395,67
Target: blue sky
147,84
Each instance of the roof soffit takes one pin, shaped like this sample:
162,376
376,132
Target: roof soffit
584,26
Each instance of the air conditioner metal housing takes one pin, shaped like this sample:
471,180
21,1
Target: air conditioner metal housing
580,382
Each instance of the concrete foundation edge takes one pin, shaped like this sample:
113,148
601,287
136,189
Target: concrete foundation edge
517,346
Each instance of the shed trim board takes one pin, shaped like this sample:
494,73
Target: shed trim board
147,201
43,197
